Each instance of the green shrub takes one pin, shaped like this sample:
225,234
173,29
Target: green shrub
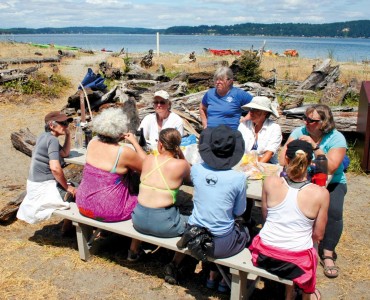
355,159
247,68
40,84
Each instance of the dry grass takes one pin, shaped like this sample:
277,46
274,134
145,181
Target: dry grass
288,68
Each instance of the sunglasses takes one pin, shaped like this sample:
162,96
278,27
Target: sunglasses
309,120
254,110
64,123
159,102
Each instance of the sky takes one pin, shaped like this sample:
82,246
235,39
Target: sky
160,14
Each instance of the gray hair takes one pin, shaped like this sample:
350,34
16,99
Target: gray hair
223,72
110,123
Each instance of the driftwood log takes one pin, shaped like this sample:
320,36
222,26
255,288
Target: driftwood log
320,76
8,212
24,141
29,60
7,78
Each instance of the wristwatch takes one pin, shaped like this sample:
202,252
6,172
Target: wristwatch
316,148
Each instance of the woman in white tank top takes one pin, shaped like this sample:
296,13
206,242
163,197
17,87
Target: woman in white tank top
295,213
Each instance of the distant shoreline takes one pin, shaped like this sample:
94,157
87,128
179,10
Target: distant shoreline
350,29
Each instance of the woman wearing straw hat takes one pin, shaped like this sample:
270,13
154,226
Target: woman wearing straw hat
260,133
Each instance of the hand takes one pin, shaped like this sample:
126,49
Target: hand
72,190
130,137
308,139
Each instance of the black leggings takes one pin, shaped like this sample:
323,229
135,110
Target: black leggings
334,227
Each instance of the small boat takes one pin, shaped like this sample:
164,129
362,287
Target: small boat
59,47
291,53
222,52
105,50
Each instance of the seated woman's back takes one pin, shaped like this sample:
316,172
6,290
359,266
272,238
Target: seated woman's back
161,178
111,157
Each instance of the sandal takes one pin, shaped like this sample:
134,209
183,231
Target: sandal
317,294
328,269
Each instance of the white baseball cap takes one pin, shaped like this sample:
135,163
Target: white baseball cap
162,94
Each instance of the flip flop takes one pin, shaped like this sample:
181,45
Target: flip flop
328,269
317,294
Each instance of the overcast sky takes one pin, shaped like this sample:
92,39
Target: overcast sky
166,13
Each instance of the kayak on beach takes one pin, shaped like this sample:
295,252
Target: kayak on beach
223,52
59,47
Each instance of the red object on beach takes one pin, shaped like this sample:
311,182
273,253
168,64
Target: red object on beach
291,52
223,52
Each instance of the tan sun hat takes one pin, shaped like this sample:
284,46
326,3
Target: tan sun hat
262,103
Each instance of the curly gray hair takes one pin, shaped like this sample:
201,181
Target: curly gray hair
111,123
223,73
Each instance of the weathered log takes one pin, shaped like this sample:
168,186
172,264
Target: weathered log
7,78
333,94
344,122
8,212
316,80
24,141
213,64
29,60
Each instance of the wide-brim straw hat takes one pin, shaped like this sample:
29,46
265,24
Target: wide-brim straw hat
262,103
221,147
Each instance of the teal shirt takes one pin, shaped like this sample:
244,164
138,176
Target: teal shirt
333,139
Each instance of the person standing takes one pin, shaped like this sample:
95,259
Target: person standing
319,131
47,187
222,104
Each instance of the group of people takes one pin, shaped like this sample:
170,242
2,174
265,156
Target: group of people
297,214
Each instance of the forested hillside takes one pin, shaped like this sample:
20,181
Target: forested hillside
354,29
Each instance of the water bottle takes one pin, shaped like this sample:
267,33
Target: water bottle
142,141
78,136
320,171
88,136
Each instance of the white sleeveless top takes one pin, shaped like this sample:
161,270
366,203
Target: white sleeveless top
286,227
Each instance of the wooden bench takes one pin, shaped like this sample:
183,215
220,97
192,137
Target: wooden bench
240,265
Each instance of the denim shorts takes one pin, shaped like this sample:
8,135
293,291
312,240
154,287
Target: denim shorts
161,222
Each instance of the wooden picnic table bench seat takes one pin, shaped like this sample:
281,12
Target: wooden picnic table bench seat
240,265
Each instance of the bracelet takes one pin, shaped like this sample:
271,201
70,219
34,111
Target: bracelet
316,148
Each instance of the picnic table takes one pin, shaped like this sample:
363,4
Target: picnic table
254,189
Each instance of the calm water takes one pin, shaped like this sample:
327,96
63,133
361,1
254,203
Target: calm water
341,49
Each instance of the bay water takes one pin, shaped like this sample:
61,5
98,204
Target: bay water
340,49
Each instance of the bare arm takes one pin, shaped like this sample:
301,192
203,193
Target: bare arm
64,152
335,155
203,115
132,159
283,152
132,139
264,202
322,217
57,171
265,158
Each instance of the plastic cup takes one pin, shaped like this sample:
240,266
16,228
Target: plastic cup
320,179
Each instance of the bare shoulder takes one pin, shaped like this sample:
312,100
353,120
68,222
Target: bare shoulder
272,182
316,192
